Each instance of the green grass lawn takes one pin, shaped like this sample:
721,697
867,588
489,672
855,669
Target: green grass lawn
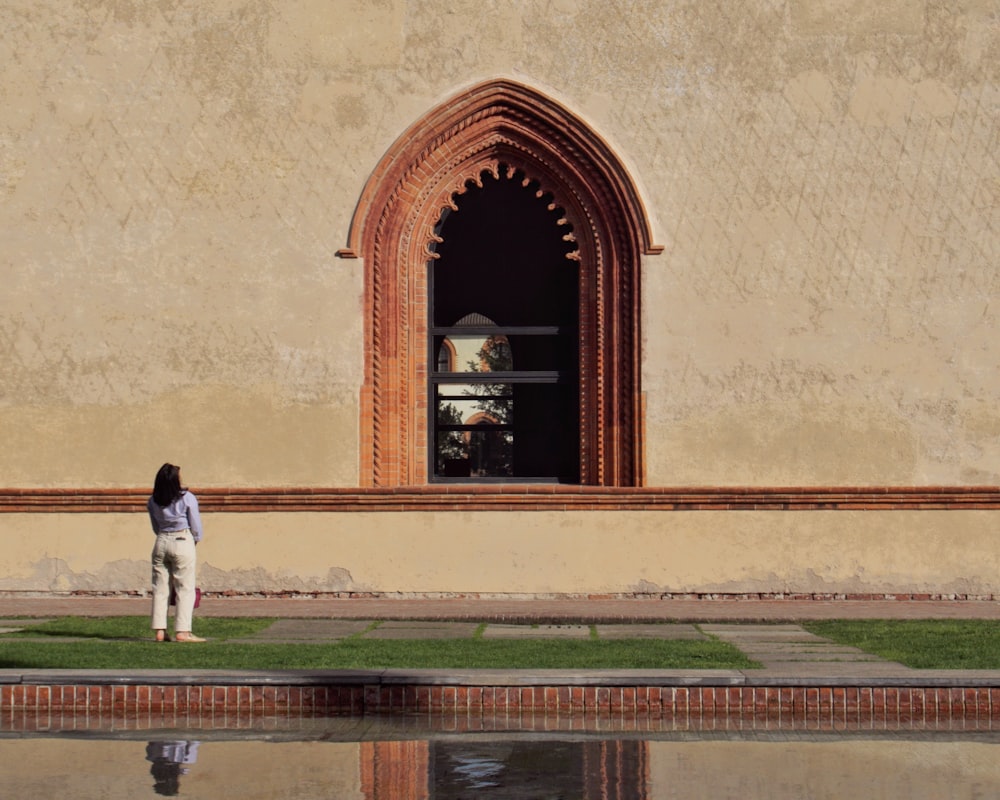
920,644
119,643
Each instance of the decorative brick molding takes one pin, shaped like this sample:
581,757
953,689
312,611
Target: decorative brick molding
494,123
459,708
519,498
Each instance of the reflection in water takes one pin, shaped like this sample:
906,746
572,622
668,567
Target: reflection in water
168,760
476,772
549,769
503,767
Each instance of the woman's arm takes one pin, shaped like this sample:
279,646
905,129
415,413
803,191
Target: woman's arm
152,516
193,516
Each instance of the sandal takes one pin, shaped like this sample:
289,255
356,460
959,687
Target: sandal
162,636
190,638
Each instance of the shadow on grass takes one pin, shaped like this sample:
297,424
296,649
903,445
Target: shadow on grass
129,629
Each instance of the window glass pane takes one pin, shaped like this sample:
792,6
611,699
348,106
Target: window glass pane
487,410
557,352
487,453
504,306
445,361
474,353
470,404
546,430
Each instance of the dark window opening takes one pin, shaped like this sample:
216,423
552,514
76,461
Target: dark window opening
504,322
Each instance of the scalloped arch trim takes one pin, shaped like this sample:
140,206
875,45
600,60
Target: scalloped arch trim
438,157
495,105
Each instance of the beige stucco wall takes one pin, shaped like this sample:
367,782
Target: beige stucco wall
827,307
526,553
176,178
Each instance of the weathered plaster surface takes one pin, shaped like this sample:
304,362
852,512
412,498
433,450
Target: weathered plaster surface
523,553
176,178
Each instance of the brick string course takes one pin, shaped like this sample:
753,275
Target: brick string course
517,498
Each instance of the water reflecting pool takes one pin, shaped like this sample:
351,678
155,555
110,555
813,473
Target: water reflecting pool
212,765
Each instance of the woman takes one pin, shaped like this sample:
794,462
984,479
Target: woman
173,511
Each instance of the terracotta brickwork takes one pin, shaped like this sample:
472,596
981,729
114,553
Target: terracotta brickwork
457,708
452,146
522,498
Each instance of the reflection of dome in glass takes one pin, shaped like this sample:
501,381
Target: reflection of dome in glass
475,352
474,320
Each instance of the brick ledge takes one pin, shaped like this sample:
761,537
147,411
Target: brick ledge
517,498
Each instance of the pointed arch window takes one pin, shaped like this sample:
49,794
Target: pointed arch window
502,217
507,406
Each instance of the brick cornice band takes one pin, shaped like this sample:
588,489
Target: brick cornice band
518,498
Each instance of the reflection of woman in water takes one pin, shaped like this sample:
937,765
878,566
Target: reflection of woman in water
168,758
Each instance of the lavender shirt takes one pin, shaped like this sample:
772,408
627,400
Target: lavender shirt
180,515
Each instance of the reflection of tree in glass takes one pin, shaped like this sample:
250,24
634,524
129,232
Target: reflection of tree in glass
492,450
451,444
494,356
494,398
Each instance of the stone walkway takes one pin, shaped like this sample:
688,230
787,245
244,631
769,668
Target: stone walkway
766,631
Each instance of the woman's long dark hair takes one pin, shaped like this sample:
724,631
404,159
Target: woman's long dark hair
167,486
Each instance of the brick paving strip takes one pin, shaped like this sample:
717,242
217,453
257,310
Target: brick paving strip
563,611
807,683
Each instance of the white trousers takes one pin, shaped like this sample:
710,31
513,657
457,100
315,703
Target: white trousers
174,562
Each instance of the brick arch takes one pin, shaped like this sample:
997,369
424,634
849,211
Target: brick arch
455,144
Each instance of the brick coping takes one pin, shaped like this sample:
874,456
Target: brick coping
460,708
394,678
467,497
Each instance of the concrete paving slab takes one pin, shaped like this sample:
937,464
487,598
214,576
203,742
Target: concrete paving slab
764,644
788,649
793,627
537,632
806,658
15,623
567,677
73,639
816,651
654,631
290,630
834,672
762,633
506,610
423,630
